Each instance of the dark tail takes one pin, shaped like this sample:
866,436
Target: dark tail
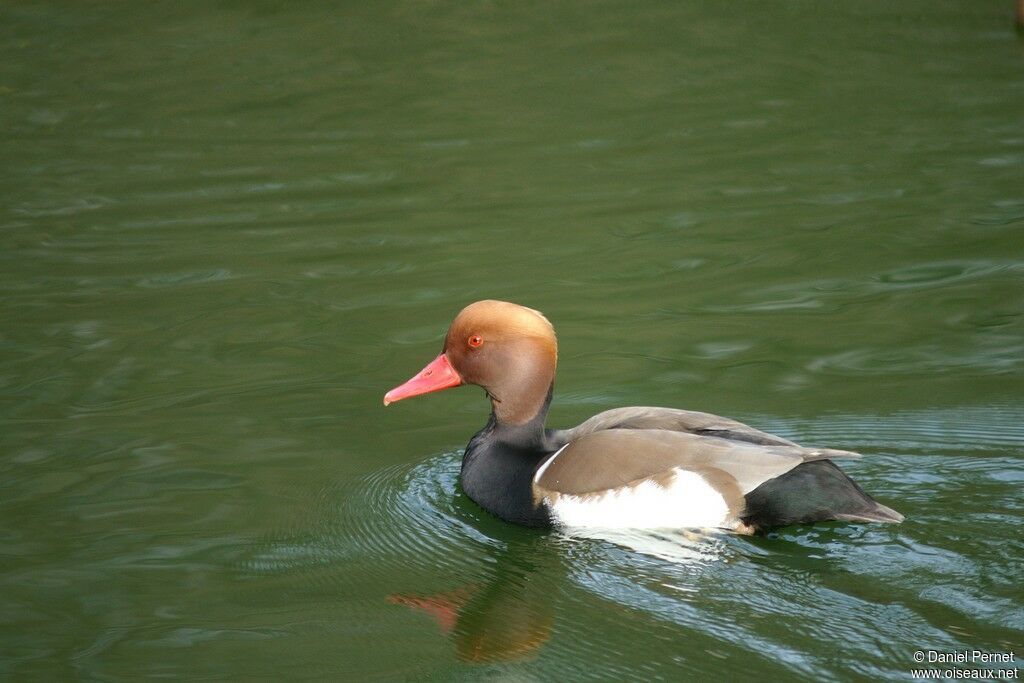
880,513
813,492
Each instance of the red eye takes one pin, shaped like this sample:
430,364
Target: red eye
475,341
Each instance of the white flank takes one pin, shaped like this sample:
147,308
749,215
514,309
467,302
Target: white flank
687,501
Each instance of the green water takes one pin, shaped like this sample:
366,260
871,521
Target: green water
228,228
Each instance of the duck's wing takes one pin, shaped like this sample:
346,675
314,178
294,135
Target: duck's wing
611,458
687,421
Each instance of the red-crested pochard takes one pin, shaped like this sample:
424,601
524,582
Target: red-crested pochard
626,467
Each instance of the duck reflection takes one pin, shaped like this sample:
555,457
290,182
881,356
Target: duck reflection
509,613
508,616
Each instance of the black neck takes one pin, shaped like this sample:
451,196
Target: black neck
499,464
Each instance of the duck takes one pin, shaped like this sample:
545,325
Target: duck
625,468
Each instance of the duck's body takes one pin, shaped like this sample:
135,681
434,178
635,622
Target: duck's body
624,468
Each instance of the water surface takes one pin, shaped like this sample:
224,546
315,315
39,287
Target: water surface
228,228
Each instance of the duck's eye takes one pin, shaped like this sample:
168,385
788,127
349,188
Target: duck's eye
475,341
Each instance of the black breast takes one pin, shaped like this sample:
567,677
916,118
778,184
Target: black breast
498,476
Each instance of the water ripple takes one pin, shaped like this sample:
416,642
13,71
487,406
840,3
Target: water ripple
404,513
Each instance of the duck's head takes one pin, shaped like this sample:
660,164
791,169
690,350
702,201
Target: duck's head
507,349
